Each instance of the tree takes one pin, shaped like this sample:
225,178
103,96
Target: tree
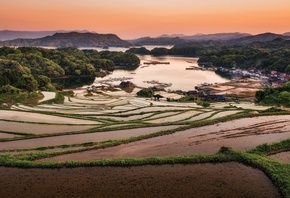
28,83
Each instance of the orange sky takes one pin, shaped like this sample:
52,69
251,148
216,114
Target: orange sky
133,18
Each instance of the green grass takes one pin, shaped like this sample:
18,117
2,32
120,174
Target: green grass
284,145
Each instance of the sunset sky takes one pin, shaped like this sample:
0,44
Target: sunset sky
135,18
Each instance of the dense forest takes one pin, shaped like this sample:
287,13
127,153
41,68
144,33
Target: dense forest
30,68
267,56
279,96
262,59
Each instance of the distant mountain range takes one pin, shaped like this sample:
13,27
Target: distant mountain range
6,35
218,36
260,38
89,39
72,39
227,38
158,41
203,37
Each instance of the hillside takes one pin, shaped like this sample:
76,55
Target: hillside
11,35
259,38
6,35
74,39
180,39
217,36
158,41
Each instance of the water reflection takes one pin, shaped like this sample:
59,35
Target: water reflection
174,73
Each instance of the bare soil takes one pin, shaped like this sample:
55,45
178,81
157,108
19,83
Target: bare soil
225,180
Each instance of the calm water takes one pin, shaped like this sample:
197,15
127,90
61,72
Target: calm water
174,73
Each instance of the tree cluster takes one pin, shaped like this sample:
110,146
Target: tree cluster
264,59
191,51
279,96
30,68
267,56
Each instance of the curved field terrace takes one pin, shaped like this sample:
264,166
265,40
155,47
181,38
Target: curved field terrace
206,180
99,129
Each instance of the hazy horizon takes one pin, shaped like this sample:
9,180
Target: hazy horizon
141,36
131,19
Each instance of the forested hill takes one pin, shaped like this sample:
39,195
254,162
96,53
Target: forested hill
262,55
72,39
30,68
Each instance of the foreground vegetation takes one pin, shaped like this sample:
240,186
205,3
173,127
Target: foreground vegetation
278,172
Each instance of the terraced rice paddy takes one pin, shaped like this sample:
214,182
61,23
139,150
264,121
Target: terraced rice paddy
36,117
112,127
206,180
243,134
175,118
81,138
40,129
7,135
223,114
77,129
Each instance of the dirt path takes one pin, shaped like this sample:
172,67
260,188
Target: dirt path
225,180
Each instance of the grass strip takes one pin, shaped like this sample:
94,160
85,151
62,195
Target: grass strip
270,149
279,173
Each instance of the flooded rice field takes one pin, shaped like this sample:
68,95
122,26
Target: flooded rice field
7,135
223,114
174,118
241,134
36,117
82,138
200,180
283,157
40,129
201,116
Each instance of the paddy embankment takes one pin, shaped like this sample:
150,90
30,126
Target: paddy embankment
69,149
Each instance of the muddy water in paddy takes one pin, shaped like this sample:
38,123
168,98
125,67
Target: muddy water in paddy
40,128
37,117
6,135
239,134
283,157
82,138
199,180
